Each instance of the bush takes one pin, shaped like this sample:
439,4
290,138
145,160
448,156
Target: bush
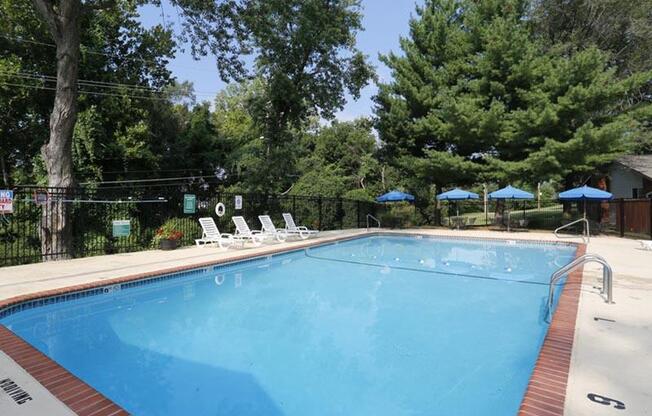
398,215
94,243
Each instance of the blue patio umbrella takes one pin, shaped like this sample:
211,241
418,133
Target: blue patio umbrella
457,195
509,192
585,193
395,196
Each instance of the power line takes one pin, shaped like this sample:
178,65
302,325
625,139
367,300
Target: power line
87,50
156,170
93,84
41,87
99,84
151,180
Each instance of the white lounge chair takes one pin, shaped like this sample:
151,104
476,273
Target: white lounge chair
211,235
646,244
292,229
270,230
243,233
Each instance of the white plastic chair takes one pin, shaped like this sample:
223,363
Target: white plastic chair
211,235
646,244
270,230
243,233
292,229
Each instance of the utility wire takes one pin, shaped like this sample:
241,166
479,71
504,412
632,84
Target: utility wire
87,50
153,171
40,87
99,84
90,83
150,180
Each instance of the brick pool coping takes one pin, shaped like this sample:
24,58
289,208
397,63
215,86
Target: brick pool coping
545,394
546,391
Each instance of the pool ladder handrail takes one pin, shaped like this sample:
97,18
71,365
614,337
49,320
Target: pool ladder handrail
586,234
607,278
373,218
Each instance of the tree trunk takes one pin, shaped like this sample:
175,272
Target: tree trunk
3,167
63,23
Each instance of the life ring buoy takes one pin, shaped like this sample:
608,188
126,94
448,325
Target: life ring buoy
220,209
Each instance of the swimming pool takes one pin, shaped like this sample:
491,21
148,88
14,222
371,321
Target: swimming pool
383,325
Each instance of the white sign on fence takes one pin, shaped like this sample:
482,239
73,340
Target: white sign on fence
238,202
6,201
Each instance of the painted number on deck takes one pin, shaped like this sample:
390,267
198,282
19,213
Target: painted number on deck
596,398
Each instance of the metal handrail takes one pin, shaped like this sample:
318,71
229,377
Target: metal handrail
373,218
607,277
586,233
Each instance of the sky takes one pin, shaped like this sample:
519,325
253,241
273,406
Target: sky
384,21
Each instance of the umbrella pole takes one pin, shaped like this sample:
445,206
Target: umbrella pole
586,225
457,208
509,217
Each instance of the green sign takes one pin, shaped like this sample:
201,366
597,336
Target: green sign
121,228
189,204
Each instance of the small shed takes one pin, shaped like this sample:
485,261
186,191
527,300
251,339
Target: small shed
631,177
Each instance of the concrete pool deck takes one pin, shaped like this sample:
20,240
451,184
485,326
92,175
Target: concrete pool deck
609,359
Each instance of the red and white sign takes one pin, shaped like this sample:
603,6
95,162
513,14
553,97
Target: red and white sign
6,201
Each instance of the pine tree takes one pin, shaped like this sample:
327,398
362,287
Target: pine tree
475,97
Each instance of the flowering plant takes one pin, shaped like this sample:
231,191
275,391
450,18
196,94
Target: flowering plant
168,231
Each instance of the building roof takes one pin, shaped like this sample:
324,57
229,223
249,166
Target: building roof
639,163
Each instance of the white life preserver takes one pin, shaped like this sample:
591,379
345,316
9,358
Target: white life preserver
220,209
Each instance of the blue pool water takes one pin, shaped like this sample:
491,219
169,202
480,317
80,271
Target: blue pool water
373,326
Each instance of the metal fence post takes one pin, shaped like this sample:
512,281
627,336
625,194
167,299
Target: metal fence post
340,212
621,214
649,202
319,210
358,214
294,206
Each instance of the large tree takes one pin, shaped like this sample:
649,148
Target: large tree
476,93
621,28
304,50
306,56
340,161
116,49
63,22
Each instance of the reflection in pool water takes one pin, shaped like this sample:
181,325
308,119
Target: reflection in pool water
379,325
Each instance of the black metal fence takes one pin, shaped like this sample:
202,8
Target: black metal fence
622,217
26,236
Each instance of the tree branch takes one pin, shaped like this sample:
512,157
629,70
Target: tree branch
45,9
100,5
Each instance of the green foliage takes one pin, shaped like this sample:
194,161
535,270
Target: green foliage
308,62
398,215
95,243
475,97
360,195
183,229
114,132
339,158
327,181
622,28
492,91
